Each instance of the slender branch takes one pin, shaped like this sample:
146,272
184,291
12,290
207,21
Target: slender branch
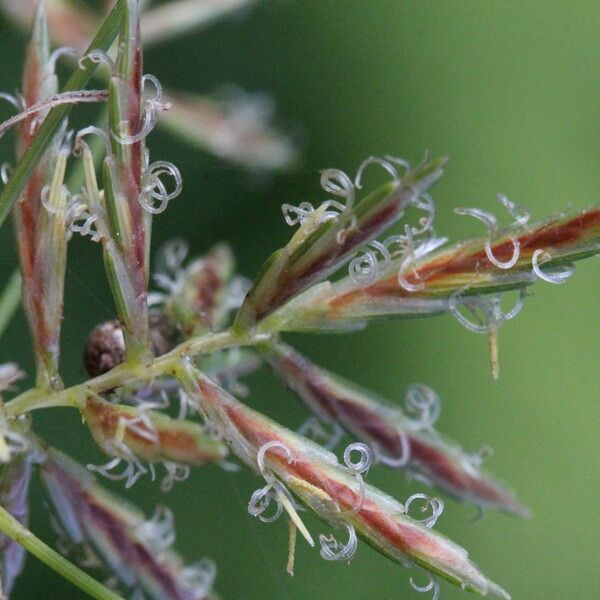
129,372
78,80
11,528
77,97
10,299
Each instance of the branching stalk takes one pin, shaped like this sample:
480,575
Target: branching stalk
128,372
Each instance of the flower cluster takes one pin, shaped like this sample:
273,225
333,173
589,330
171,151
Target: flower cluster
167,372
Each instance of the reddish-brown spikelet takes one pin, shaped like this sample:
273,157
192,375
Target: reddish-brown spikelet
123,171
406,443
456,272
89,514
332,491
197,304
319,249
154,438
467,263
210,124
42,291
14,491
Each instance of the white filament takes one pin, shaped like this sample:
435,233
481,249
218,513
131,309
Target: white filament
159,531
365,457
97,57
90,130
147,127
140,425
9,373
331,549
436,505
45,200
519,213
5,172
296,215
261,500
482,215
556,277
432,585
187,405
410,287
155,189
83,223
399,161
428,245
395,462
14,442
336,182
408,261
490,305
169,267
511,262
365,268
132,472
313,429
200,576
175,472
373,160
456,301
492,224
16,102
421,401
511,314
154,104
58,53
260,456
424,202
283,496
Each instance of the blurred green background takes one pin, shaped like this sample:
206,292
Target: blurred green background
511,92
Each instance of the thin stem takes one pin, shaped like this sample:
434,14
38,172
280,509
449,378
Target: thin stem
129,372
10,300
78,80
11,528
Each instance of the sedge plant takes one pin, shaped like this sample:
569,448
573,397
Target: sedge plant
164,391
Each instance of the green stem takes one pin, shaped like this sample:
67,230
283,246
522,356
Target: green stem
10,300
128,372
11,528
78,80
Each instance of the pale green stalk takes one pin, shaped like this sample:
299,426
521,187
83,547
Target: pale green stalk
128,372
10,299
11,528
